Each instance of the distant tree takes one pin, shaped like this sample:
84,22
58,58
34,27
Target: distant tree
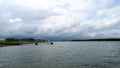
28,39
24,39
10,39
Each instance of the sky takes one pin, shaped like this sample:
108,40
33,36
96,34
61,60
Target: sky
60,19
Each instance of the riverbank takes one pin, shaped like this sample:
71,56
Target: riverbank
14,41
17,43
4,43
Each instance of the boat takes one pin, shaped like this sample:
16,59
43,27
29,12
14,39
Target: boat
51,43
36,43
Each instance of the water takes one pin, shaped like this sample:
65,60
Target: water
62,55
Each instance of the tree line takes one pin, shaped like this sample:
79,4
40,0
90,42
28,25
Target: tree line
24,39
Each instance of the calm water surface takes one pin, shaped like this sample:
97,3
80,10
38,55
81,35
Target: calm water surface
62,55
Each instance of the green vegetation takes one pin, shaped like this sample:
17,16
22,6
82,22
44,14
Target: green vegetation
15,41
24,40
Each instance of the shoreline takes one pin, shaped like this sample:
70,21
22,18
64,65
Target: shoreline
15,43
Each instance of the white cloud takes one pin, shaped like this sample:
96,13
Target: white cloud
35,4
106,2
15,20
0,2
59,18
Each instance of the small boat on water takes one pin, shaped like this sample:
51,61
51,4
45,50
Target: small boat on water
51,43
36,43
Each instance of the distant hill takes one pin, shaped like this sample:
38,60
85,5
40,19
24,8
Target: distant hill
103,39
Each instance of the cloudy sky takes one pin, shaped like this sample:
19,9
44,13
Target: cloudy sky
60,19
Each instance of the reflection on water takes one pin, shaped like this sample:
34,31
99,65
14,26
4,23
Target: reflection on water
62,55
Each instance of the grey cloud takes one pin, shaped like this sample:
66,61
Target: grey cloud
11,10
29,29
60,21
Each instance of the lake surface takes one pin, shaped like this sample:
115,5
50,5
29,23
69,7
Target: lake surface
62,55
